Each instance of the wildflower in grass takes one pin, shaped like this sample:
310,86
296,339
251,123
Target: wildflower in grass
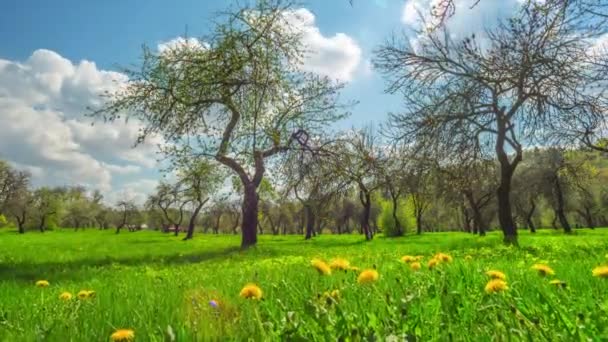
408,258
214,304
367,276
123,335
251,291
601,272
65,296
339,264
42,283
433,263
496,285
443,257
558,283
335,294
496,275
415,266
543,269
86,294
321,266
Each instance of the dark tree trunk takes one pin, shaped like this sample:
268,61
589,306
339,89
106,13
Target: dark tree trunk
42,223
310,221
176,226
398,227
560,210
529,215
419,222
249,225
554,222
589,218
507,168
197,210
365,197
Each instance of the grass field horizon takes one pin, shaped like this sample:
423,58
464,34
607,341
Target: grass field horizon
161,287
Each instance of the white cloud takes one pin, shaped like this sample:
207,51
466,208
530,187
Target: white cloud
179,42
43,101
338,56
466,20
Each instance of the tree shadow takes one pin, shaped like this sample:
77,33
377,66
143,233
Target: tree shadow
73,270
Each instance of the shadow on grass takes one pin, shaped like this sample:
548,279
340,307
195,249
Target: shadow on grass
78,269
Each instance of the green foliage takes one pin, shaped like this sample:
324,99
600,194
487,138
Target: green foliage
3,220
405,211
169,284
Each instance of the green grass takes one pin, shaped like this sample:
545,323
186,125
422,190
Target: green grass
160,286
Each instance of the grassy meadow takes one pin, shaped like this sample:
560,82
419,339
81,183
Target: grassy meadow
165,289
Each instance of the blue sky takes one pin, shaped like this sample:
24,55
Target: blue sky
57,56
111,33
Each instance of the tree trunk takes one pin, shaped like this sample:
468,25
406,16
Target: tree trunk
529,217
42,222
507,167
197,210
365,197
216,228
589,218
560,211
249,225
236,224
505,215
418,222
176,227
398,227
310,221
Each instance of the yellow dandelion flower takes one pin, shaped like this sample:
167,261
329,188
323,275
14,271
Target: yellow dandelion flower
433,263
321,266
601,272
558,283
123,335
443,257
496,285
86,294
251,291
415,266
65,296
367,276
339,264
543,269
496,275
42,283
408,258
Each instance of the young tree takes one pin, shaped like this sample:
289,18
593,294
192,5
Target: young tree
240,98
355,159
46,203
529,76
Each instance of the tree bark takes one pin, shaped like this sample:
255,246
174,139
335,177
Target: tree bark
560,210
365,198
310,221
197,210
529,215
250,216
398,227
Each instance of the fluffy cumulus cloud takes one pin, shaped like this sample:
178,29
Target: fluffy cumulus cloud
44,130
337,56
